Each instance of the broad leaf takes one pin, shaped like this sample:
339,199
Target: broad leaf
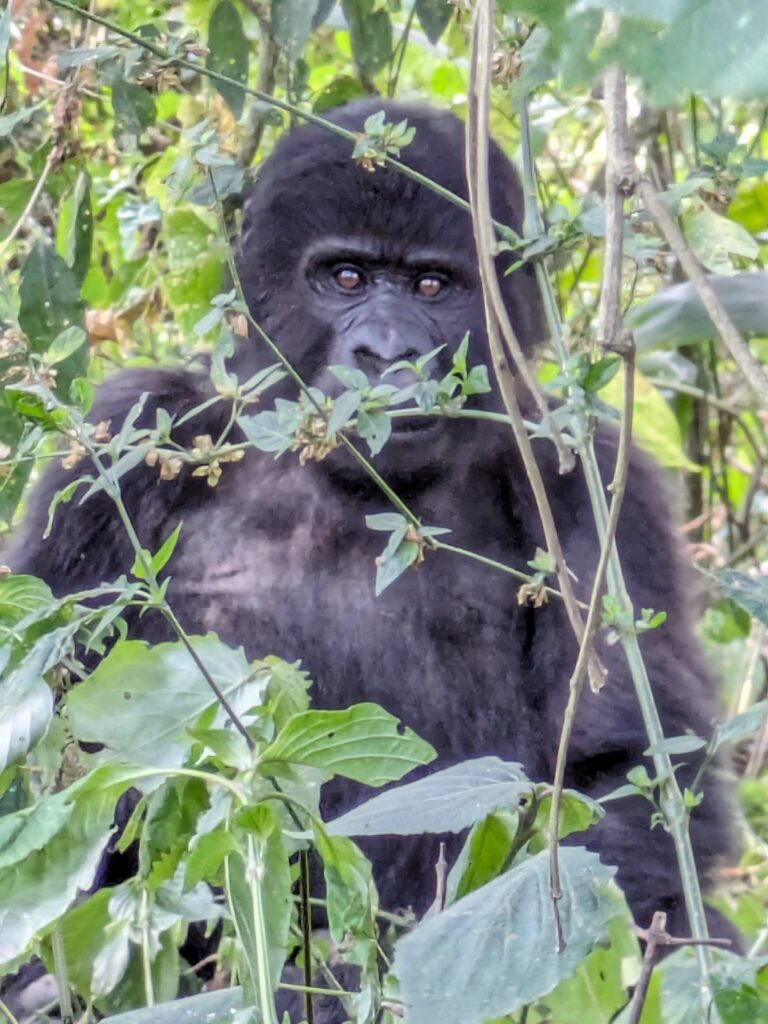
50,852
364,743
675,316
433,16
50,303
134,108
20,595
140,699
206,1008
291,24
26,702
228,52
370,34
496,950
740,726
446,801
749,592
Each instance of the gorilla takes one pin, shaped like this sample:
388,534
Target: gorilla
344,266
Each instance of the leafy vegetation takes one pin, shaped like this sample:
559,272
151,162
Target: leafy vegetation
128,132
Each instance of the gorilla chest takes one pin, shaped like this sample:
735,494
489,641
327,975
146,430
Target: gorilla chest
442,647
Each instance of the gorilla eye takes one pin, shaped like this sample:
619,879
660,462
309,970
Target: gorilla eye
429,286
348,278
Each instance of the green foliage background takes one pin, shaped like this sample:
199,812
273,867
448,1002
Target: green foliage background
123,157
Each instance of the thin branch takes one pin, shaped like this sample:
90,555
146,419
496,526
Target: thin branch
751,369
274,101
477,180
618,488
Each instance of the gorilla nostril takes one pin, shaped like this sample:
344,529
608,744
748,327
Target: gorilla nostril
369,360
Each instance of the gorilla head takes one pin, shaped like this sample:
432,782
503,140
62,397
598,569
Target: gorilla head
337,272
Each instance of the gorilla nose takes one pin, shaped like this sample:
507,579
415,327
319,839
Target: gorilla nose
374,362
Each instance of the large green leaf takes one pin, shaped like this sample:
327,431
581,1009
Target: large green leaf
363,743
206,1008
749,592
447,801
20,595
370,33
50,303
26,702
291,24
134,109
496,949
675,316
433,16
49,853
228,52
140,700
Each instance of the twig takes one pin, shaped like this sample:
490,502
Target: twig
655,938
441,872
751,369
610,336
54,156
477,180
269,53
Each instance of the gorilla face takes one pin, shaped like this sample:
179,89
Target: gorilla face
344,266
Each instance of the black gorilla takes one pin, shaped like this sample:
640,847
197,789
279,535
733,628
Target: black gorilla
341,265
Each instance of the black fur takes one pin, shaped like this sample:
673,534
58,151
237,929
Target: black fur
278,557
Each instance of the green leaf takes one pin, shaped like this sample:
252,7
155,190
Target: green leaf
26,702
676,745
74,231
364,743
206,1008
598,989
20,595
351,378
160,559
50,300
344,408
259,890
715,239
749,592
140,700
433,16
483,856
496,950
338,92
370,33
39,883
64,345
393,563
599,373
50,303
740,726
208,853
387,521
348,884
675,315
228,52
134,108
291,24
446,801
655,427
375,427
